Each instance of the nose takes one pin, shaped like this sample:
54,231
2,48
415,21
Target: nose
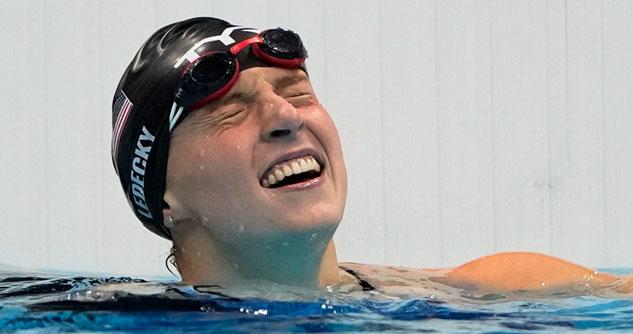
281,119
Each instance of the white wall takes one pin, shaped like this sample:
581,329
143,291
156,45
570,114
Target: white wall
469,127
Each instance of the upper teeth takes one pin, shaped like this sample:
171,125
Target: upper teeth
290,167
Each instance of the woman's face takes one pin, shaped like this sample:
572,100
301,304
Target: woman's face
226,161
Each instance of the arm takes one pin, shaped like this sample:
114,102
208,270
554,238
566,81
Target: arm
527,272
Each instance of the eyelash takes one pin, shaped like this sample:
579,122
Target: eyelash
300,99
298,94
233,112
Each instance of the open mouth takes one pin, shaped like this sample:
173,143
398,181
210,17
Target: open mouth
291,172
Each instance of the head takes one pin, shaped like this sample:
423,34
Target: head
242,155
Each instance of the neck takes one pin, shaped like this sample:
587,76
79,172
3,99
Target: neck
296,259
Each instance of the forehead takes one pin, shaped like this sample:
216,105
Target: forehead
256,78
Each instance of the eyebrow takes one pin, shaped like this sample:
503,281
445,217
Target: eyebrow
282,82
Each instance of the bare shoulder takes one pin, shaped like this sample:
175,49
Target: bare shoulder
524,271
401,281
395,274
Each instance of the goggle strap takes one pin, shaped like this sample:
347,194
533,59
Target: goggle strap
235,49
174,115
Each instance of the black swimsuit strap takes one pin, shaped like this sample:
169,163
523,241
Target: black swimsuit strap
364,284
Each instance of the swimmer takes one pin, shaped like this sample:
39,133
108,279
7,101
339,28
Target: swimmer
222,147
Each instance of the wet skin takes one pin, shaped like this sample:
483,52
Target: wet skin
516,275
219,154
229,225
218,158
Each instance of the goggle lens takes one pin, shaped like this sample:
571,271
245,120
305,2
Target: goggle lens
213,69
282,44
212,75
208,74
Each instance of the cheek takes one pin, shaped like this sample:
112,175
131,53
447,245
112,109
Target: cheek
204,175
327,133
322,126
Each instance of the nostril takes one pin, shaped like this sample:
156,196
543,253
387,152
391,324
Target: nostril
280,133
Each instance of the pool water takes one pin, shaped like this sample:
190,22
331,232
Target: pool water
31,303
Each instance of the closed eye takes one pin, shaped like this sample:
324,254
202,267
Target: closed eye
231,114
227,114
301,99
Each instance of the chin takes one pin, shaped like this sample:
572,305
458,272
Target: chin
311,221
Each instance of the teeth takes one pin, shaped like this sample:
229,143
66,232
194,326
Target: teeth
287,170
304,165
296,166
279,174
310,164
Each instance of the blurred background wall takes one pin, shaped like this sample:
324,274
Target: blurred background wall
469,127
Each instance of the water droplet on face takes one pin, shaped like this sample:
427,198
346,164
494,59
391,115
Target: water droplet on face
206,222
241,228
313,236
285,244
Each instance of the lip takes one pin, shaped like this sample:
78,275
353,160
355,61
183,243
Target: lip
309,184
293,155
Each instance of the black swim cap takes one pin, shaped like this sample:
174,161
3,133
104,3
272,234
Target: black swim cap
142,103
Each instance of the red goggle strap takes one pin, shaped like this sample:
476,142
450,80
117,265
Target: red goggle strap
235,49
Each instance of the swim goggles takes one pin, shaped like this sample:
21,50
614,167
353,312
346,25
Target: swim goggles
213,74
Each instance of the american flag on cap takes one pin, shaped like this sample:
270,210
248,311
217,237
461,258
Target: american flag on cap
121,108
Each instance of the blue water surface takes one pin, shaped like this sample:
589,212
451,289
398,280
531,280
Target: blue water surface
32,303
